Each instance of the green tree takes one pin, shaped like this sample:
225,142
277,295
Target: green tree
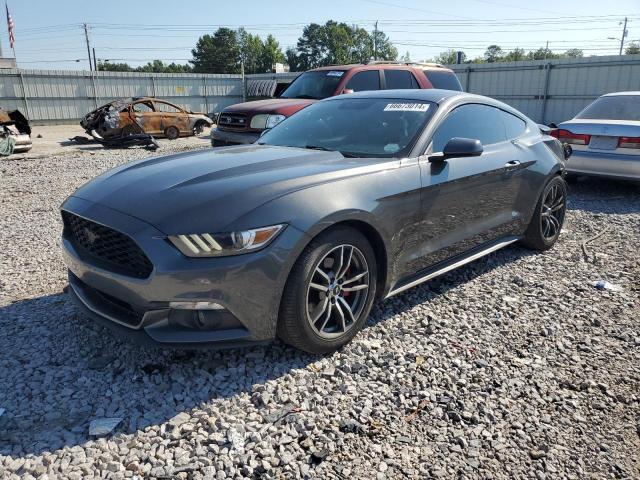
493,54
106,66
449,57
251,49
632,49
384,49
158,66
406,58
542,54
515,55
271,54
573,53
217,53
337,43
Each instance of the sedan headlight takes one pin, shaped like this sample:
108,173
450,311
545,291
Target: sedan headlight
223,244
262,122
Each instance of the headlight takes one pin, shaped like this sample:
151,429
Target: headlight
223,244
273,120
261,122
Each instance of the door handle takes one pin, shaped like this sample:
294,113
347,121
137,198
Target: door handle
512,163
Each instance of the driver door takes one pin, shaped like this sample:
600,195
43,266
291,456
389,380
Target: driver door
143,114
468,201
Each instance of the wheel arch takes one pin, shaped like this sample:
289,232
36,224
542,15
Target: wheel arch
373,236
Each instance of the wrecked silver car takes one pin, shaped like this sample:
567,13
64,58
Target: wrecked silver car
143,115
15,132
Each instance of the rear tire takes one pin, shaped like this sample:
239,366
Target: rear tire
545,226
171,132
334,283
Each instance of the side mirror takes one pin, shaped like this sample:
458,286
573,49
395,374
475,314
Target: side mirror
347,91
458,147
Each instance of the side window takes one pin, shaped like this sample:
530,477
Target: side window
513,125
142,107
167,107
400,79
367,80
443,79
470,121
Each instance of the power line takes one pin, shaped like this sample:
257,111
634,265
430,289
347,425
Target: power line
395,5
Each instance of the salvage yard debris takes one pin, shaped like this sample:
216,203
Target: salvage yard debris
15,132
604,285
142,115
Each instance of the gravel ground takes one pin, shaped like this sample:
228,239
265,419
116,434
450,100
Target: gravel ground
512,367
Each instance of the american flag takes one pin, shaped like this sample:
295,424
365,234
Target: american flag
12,39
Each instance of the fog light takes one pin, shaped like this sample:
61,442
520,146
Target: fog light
196,306
203,319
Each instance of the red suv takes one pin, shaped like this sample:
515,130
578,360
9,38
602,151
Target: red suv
244,122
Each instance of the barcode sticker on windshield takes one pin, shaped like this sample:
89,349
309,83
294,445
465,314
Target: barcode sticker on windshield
335,73
406,107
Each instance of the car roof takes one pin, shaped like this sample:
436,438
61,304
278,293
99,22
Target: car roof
379,65
616,94
434,95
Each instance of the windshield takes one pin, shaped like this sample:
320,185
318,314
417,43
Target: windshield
314,85
358,127
615,107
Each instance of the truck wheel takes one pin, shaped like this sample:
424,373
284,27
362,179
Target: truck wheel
171,132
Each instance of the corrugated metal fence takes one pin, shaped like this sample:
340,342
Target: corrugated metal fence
553,90
547,91
50,96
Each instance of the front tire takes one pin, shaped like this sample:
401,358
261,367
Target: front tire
548,218
329,292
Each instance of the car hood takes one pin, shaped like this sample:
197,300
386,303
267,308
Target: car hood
206,191
614,128
286,106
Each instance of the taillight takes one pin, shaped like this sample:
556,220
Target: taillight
629,142
570,137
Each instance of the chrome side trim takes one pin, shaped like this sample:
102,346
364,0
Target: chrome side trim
87,303
453,266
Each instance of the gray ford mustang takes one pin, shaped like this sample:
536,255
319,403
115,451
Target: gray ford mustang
354,198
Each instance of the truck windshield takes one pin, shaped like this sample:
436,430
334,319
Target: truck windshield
355,127
314,85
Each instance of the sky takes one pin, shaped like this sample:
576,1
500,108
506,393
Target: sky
49,34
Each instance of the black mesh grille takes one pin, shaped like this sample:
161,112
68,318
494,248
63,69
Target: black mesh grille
106,248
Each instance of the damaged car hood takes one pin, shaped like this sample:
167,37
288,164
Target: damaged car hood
175,193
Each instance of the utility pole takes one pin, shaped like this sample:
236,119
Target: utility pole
244,82
95,61
86,37
624,34
546,50
375,42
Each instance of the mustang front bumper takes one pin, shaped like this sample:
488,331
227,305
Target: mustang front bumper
247,288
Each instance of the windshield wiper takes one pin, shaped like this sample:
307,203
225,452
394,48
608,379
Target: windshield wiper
325,149
318,147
